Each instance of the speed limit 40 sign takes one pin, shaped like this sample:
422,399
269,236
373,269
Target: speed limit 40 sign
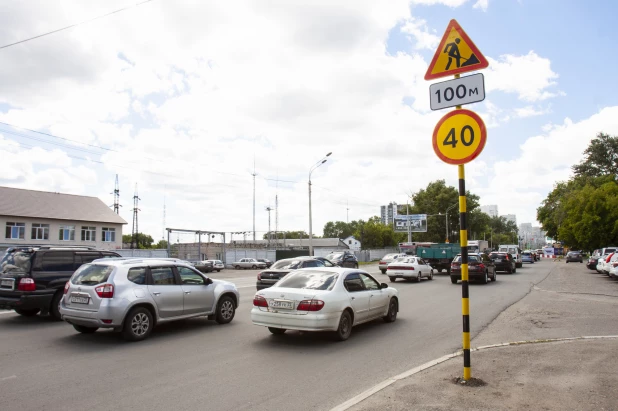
459,137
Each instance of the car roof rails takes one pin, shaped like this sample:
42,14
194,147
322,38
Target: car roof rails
79,247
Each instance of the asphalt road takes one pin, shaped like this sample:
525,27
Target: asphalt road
197,364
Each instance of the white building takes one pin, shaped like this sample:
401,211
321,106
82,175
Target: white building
491,210
388,213
353,243
510,217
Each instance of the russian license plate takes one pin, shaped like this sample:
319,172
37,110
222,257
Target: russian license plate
79,299
7,283
288,305
498,260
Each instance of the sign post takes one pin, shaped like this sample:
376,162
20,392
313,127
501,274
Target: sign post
460,136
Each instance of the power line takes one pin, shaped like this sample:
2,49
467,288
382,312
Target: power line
76,24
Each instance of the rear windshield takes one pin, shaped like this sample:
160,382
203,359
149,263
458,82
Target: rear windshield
389,256
91,274
309,280
497,255
334,256
471,258
286,265
16,261
609,250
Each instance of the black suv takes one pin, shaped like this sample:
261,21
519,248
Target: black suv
343,259
32,279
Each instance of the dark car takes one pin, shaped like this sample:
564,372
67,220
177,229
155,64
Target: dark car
32,279
480,267
281,268
343,259
206,266
591,264
265,261
503,262
574,257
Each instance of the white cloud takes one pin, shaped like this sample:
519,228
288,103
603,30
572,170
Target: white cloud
531,111
449,3
423,38
481,4
529,76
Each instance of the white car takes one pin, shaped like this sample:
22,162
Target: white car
324,299
613,266
217,265
602,264
387,259
409,268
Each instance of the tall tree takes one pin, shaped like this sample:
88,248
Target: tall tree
143,240
600,158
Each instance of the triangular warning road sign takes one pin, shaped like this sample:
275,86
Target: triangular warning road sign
456,54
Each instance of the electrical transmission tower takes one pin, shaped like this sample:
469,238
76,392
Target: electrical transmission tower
116,197
135,231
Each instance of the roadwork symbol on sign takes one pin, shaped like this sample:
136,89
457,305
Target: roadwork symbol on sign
456,54
459,137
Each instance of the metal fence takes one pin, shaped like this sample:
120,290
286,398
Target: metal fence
126,252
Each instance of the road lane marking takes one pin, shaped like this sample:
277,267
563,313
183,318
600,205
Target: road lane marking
389,381
7,312
8,378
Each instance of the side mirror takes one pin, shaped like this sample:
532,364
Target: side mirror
383,285
208,281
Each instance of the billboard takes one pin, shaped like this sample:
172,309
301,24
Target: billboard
417,222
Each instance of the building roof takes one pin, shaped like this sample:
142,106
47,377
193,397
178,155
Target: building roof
15,202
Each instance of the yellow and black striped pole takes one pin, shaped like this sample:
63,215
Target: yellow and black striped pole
465,302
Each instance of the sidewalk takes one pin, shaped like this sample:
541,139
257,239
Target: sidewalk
571,301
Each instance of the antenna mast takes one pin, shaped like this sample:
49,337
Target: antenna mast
116,197
254,174
135,231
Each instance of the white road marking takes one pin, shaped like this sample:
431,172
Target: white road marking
8,378
6,312
389,381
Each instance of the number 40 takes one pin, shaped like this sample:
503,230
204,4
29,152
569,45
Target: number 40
451,140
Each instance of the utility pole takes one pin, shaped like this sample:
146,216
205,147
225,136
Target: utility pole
116,197
254,174
135,230
277,220
347,212
269,209
163,230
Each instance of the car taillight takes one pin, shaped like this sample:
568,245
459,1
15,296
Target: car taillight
26,284
310,305
67,286
382,262
105,291
259,301
260,277
481,266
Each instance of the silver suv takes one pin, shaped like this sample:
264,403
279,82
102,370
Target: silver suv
133,295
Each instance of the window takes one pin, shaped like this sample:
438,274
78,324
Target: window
349,241
58,261
67,233
40,232
137,275
16,231
312,264
190,277
90,274
370,283
109,235
89,233
309,280
85,258
162,276
353,283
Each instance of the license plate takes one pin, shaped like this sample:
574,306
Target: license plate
80,300
498,260
288,305
7,283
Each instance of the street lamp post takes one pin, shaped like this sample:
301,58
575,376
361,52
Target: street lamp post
316,165
446,219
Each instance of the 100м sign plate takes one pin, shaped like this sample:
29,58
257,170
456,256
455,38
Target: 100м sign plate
457,92
459,137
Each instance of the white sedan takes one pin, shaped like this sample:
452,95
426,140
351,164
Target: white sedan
324,299
409,268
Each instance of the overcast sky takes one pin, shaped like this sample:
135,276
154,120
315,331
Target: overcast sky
180,98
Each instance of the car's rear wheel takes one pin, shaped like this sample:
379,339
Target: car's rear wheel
254,266
276,331
225,310
383,271
431,275
31,312
237,267
454,280
84,330
486,279
54,308
345,327
137,325
391,316
419,277
393,279
495,276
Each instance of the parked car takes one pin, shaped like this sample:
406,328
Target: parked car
324,299
387,259
217,265
613,266
480,267
205,266
409,268
539,253
602,267
503,262
574,257
343,259
591,264
32,278
248,263
265,261
512,249
281,268
134,295
527,257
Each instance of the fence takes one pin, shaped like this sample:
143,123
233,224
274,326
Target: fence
125,252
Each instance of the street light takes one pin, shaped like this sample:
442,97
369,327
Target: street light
446,219
316,165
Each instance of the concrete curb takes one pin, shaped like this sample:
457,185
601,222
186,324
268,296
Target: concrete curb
379,387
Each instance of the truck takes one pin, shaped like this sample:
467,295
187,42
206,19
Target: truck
477,246
437,255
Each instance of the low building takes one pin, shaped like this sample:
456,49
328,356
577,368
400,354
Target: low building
353,243
34,218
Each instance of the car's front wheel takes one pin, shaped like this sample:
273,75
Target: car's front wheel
237,267
431,275
254,266
391,316
84,330
27,312
137,325
54,308
486,279
345,327
383,271
393,279
454,280
276,331
225,310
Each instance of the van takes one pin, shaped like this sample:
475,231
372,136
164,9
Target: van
512,249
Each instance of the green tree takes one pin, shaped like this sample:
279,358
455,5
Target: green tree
288,235
143,240
339,229
600,158
162,244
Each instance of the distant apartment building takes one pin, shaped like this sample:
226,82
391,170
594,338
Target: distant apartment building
510,217
388,213
491,210
525,228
